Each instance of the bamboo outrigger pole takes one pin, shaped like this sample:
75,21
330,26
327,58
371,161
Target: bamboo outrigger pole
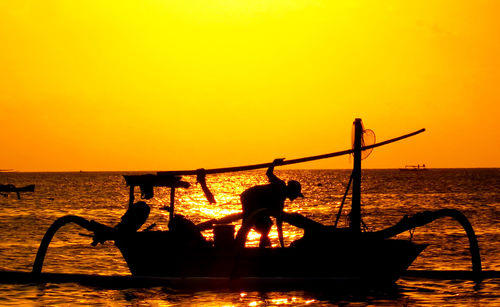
287,162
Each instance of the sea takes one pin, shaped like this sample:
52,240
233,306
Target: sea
387,196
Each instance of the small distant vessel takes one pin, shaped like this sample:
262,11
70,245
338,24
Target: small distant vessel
326,255
10,188
417,167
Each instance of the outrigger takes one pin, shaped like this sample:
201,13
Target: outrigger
325,254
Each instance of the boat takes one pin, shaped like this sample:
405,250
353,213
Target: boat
412,168
326,255
10,188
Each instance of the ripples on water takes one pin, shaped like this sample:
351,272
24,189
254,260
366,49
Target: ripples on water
387,196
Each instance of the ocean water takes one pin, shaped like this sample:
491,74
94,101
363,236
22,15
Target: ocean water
387,195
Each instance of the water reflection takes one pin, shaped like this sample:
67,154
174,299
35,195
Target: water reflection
388,195
408,292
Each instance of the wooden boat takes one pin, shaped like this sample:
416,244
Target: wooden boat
325,254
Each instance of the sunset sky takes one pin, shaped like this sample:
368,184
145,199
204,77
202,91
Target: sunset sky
165,85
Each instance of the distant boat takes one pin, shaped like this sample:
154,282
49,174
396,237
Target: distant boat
13,188
417,167
10,188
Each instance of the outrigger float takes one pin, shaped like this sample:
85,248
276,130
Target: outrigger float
324,256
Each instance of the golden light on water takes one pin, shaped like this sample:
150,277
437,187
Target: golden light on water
253,238
214,211
277,299
390,195
282,301
193,204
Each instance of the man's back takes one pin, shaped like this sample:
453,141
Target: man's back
271,196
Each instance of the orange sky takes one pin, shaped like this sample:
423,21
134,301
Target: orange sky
163,85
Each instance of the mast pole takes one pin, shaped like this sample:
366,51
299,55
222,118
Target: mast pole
355,224
172,203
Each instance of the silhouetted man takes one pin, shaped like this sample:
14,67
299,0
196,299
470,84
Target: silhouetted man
271,196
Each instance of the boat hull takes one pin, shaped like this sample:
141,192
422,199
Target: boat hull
158,253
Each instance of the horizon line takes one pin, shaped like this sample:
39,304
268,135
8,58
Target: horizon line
286,169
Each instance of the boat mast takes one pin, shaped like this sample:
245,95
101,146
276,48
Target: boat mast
355,224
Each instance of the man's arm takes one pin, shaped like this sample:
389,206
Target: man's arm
272,177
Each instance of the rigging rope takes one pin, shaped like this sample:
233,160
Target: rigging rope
339,213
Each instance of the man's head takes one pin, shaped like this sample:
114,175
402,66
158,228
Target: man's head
293,190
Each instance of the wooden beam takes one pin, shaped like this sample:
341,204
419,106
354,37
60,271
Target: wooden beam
287,162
